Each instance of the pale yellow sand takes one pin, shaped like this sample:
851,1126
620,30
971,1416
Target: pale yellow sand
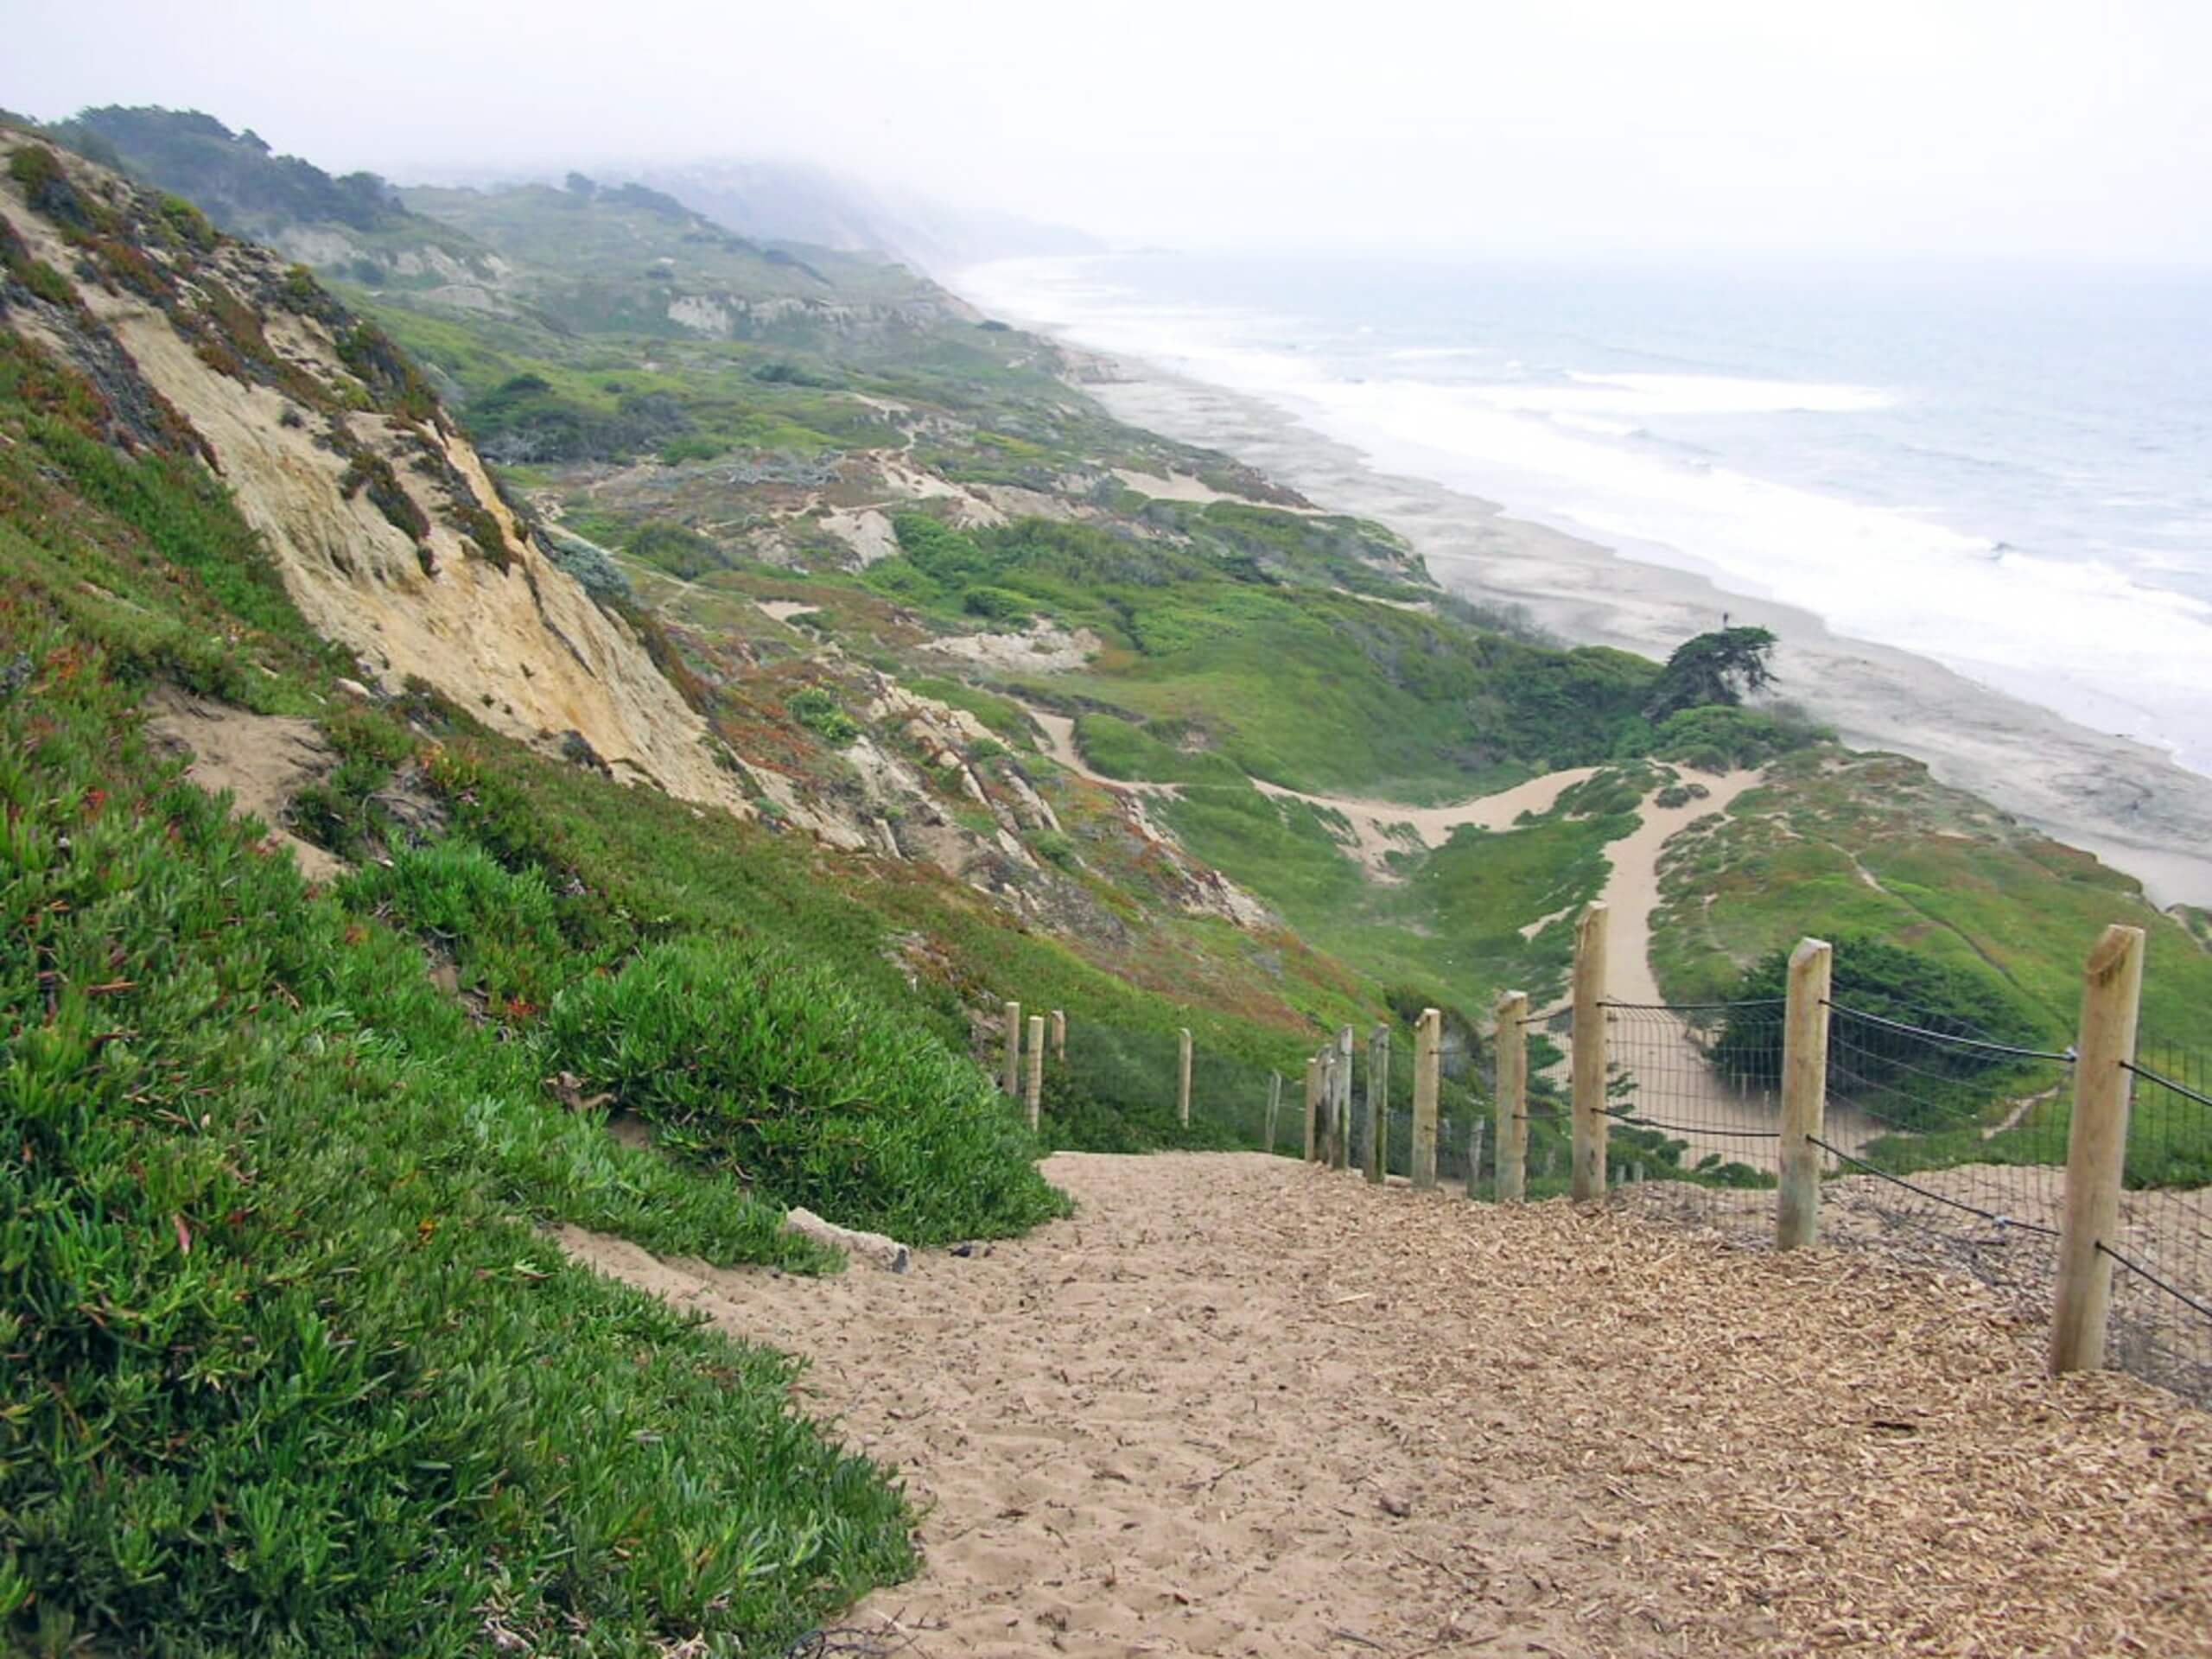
1242,1407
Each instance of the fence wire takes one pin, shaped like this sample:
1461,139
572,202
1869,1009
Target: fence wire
1117,1091
1693,1093
1943,1146
1947,1146
2161,1325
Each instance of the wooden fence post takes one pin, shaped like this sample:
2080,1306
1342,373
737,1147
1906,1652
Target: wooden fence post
1588,1181
1313,1104
1343,1159
1428,1060
1378,1102
1474,1154
1060,1037
1012,1080
1804,1093
1274,1104
1035,1092
1510,1041
1183,1077
2096,1148
1329,1107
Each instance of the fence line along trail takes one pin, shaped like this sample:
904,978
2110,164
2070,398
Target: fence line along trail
1239,1405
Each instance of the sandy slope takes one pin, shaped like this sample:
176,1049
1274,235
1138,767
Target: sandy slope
1242,1407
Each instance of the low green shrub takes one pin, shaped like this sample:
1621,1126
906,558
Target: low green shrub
1716,738
682,552
692,447
751,1060
1054,848
995,604
501,928
821,713
288,1369
1911,1082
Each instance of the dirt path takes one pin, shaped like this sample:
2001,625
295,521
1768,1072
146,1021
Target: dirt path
1375,823
1061,745
1675,1085
1242,1407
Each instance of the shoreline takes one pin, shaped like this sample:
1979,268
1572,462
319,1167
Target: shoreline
2126,802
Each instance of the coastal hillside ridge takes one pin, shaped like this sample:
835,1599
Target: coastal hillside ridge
543,730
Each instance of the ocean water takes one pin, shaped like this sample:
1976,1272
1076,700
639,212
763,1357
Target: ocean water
2008,471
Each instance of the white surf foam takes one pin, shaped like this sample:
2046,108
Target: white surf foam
2080,635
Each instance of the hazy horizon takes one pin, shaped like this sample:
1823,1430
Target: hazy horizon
1960,131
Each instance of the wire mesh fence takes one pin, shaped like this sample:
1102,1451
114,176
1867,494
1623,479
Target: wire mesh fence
1117,1090
2161,1320
1947,1146
1692,1099
1942,1147
1541,1119
1939,1145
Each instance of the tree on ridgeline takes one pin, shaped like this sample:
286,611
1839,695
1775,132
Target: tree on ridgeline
1721,667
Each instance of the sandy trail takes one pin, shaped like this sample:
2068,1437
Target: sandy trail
1239,1406
1373,821
1632,889
1676,1086
262,760
1060,744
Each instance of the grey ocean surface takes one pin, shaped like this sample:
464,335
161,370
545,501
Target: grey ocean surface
2008,470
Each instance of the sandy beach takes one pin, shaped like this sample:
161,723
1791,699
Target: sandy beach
2122,800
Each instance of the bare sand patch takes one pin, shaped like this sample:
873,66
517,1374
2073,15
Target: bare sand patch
1045,648
783,610
1174,486
262,760
1376,823
1239,1406
864,530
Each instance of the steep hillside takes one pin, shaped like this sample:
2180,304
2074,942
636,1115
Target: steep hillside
352,224
291,1365
389,535
1188,670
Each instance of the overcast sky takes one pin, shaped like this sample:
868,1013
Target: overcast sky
2054,127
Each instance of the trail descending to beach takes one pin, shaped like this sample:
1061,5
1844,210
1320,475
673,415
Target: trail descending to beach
1239,1406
